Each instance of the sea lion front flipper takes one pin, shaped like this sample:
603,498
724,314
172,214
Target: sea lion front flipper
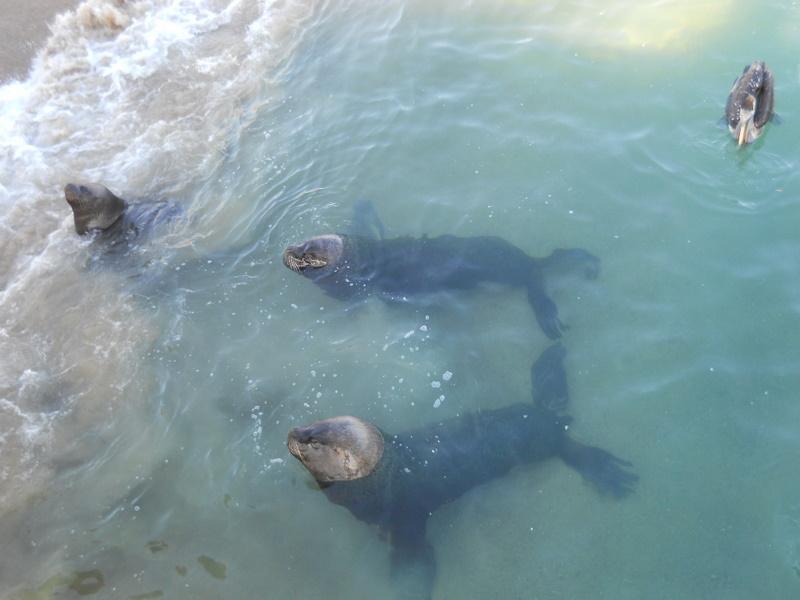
549,379
366,222
413,563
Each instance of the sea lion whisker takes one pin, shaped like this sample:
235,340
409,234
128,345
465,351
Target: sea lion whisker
293,263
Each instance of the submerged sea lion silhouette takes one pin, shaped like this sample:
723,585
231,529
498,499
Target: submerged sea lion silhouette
397,481
352,266
96,208
750,103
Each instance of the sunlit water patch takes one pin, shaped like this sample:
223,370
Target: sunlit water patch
144,406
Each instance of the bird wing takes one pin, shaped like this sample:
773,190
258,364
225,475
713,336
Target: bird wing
766,100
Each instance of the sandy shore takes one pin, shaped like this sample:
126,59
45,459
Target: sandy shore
23,30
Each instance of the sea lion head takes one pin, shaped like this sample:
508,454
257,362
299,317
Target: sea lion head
337,449
94,206
315,257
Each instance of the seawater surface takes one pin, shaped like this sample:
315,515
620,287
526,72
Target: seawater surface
144,404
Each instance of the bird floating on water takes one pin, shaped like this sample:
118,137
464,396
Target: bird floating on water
750,103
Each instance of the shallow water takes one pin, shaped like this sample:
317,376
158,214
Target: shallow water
144,407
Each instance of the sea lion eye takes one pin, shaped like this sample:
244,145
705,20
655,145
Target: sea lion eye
314,444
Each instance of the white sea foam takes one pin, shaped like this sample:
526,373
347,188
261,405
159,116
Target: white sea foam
146,97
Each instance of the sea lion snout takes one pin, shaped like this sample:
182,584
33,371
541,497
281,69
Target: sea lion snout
294,450
300,435
293,258
71,192
297,437
317,253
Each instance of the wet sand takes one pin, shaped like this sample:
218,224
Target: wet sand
23,30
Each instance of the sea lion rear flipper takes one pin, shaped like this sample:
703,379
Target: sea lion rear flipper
545,309
413,563
603,470
366,222
549,379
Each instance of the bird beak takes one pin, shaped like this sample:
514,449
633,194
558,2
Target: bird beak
744,128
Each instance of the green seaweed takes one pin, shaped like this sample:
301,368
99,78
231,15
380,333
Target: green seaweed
212,567
156,546
85,583
46,590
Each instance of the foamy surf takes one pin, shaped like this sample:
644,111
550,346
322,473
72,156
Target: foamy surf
146,97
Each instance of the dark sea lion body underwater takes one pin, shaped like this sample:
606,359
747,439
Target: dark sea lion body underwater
396,481
353,266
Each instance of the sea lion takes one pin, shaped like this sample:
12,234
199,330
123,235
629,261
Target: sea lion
95,208
750,103
351,266
396,481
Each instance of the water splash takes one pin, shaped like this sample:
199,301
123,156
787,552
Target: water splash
146,97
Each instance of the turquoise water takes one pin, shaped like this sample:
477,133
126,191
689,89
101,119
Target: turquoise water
163,465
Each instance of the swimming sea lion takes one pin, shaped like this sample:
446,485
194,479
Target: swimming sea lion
396,481
750,103
352,266
96,208
93,206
